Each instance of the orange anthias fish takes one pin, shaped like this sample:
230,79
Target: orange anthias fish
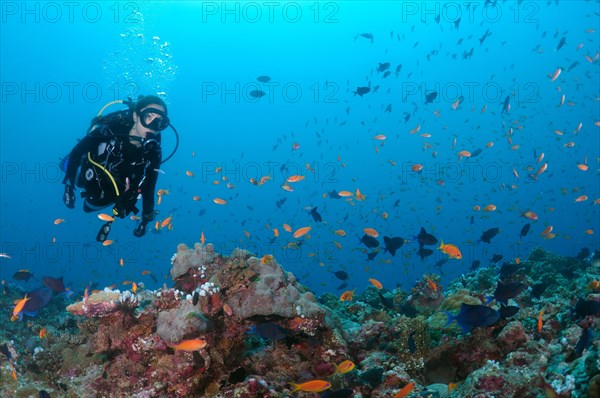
540,321
190,345
19,307
348,295
432,285
59,221
311,386
405,390
300,232
106,217
451,250
344,367
266,259
165,222
43,333
376,283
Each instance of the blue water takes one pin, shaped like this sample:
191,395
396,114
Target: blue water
60,65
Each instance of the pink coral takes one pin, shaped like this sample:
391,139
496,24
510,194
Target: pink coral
512,336
490,383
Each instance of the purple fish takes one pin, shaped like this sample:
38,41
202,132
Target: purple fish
54,284
38,298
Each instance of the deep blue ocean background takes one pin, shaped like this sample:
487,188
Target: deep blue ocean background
60,65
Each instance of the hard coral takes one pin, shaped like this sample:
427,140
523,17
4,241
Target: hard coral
99,304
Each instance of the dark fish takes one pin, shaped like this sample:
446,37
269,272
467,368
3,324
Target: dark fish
524,230
408,310
280,202
587,307
583,254
383,66
264,79
506,104
195,298
573,65
538,289
584,341
343,275
386,74
257,93
372,255
4,350
388,108
334,195
366,36
508,311
424,252
387,303
474,265
441,262
270,331
369,241
315,215
485,36
476,152
398,69
412,347
473,316
54,284
44,394
406,116
504,292
342,286
496,258
457,24
437,19
22,275
561,43
392,244
509,269
487,236
38,298
429,98
343,393
426,239
362,90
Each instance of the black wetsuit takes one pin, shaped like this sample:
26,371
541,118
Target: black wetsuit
133,168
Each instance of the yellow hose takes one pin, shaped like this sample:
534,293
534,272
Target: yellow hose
107,173
109,104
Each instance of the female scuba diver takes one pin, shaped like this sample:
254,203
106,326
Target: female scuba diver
118,162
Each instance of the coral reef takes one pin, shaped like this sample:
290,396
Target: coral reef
260,330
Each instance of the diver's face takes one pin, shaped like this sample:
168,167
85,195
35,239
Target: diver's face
147,117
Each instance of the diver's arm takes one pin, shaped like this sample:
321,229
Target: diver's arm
85,145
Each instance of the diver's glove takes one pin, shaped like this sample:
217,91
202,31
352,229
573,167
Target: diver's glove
119,208
69,196
141,229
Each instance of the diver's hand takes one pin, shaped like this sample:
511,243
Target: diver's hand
119,208
140,230
69,196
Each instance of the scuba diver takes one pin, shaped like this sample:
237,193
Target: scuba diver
118,162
